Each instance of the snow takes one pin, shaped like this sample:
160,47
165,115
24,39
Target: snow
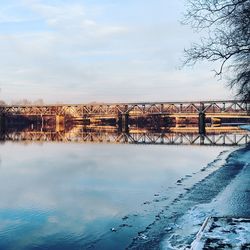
228,208
223,232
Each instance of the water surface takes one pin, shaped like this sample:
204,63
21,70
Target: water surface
79,196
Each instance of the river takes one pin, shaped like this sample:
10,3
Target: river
58,195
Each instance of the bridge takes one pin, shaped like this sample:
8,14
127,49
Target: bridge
122,112
76,135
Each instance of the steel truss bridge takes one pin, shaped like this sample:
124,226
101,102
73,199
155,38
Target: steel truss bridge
123,111
229,108
151,138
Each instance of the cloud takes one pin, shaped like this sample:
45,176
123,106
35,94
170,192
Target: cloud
79,56
72,18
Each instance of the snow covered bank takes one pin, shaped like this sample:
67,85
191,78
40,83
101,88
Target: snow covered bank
223,233
225,193
175,222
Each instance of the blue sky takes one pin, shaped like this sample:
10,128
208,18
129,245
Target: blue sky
78,51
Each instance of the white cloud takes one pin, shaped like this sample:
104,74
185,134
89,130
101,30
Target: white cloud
72,18
81,57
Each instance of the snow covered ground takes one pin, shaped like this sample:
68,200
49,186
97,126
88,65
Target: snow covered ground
223,233
232,200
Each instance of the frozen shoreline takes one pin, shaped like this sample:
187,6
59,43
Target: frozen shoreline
231,201
223,233
188,193
202,195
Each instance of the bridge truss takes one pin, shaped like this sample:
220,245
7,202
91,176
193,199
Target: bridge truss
151,108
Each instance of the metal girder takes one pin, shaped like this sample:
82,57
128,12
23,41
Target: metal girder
150,108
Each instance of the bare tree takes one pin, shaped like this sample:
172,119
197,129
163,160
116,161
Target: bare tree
226,24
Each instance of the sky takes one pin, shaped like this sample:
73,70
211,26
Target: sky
79,51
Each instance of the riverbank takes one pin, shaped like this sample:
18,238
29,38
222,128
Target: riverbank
223,191
233,200
230,228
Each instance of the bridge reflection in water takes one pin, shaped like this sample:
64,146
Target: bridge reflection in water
222,136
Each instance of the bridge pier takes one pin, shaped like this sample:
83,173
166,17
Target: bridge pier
123,122
60,122
202,139
42,122
202,123
2,123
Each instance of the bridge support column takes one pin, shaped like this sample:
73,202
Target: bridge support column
202,123
2,123
123,122
202,139
60,123
42,121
